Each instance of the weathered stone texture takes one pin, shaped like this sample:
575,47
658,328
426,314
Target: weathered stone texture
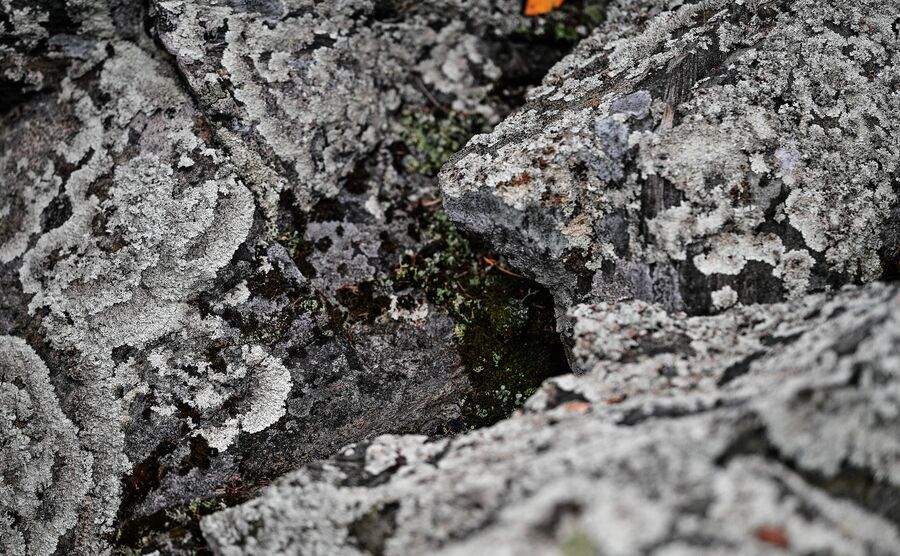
170,343
796,453
720,152
682,183
197,195
315,87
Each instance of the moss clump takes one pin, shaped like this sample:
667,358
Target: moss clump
178,526
292,242
505,324
505,330
433,136
578,544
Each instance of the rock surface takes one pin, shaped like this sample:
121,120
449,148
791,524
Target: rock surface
221,260
191,189
717,153
796,453
674,184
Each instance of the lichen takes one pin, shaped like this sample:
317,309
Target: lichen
798,454
757,124
45,472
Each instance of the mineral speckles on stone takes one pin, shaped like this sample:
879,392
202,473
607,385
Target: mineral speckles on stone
747,146
45,472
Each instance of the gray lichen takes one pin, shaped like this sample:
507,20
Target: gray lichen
773,457
685,149
45,472
316,86
144,195
162,353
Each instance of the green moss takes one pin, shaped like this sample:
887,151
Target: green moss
578,544
505,324
433,136
505,330
292,242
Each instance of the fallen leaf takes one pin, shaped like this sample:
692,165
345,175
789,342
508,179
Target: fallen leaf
541,7
577,407
775,536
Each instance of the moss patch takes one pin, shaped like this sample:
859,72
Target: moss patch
505,324
432,136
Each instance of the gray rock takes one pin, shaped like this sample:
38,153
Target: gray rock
680,163
316,87
187,220
796,454
699,155
159,345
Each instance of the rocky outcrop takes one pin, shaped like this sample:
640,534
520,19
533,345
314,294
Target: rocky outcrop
717,153
314,87
190,190
796,451
675,183
221,261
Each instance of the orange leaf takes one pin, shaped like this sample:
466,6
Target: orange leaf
776,536
541,7
577,407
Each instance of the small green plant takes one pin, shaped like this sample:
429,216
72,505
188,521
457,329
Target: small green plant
578,544
433,136
291,241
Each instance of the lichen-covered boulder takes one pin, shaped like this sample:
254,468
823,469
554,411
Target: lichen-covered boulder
796,452
46,474
700,155
315,87
193,195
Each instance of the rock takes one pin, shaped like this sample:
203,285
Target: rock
221,261
160,347
699,155
314,88
670,183
45,472
693,460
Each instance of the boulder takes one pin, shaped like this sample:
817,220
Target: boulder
188,189
795,452
699,155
